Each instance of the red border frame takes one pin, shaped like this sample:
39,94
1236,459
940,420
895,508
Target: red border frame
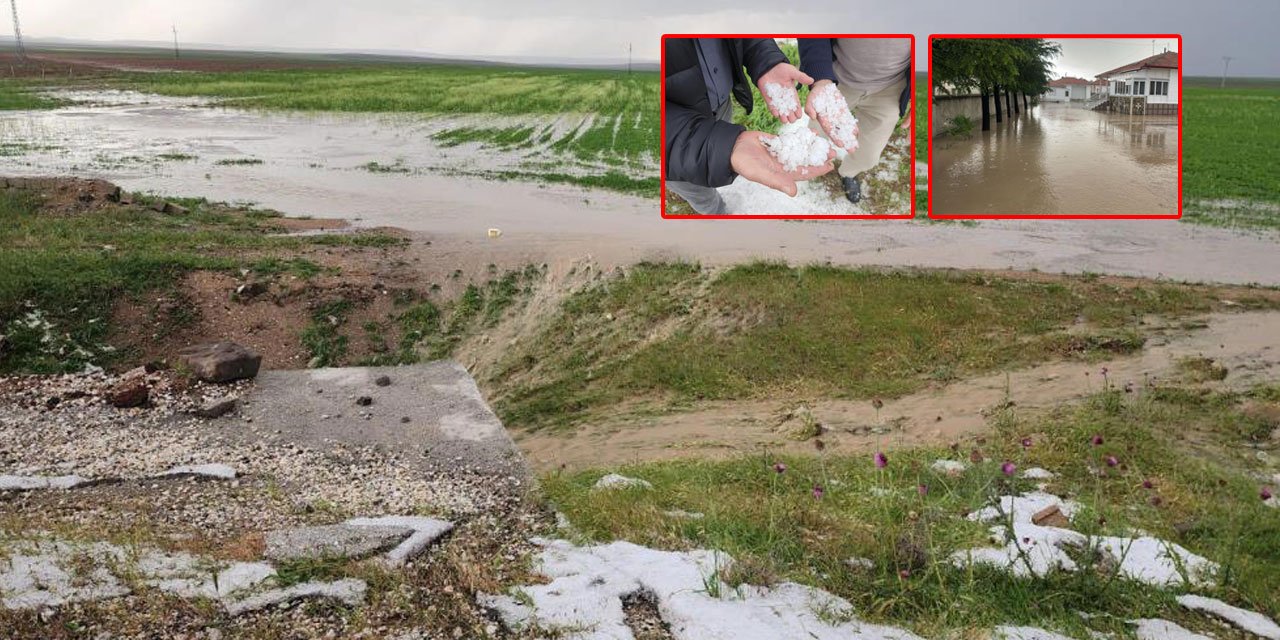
1042,216
662,166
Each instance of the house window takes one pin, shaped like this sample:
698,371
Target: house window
1139,87
1120,88
1159,88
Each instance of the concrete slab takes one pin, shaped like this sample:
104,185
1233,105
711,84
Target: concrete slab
432,415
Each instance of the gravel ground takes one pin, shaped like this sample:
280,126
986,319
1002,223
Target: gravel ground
61,425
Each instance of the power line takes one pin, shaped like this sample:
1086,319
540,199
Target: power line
17,33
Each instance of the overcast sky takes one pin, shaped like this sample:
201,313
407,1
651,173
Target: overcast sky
1244,29
1086,58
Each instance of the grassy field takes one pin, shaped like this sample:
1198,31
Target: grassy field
15,95
778,528
563,118
673,333
61,273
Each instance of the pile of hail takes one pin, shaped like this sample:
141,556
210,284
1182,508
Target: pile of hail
841,125
797,145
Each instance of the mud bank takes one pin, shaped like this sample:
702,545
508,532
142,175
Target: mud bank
1242,343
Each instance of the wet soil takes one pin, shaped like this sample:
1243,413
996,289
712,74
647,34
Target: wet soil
1243,343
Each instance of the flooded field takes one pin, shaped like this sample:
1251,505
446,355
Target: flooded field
1061,159
388,170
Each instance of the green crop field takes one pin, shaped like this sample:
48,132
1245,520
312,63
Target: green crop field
575,121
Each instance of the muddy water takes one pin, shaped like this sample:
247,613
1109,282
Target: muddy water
1061,159
312,165
1244,343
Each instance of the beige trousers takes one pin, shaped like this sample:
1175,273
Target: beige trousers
877,115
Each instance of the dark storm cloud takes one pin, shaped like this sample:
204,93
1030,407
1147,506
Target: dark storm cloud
592,29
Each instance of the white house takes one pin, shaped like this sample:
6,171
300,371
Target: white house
1154,78
1070,89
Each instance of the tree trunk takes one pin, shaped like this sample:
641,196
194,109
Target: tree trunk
986,110
999,113
1024,102
1013,97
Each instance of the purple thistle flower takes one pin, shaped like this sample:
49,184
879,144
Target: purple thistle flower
1265,493
1112,461
1097,439
882,460
922,489
818,491
779,467
1147,484
1008,468
1104,371
1026,443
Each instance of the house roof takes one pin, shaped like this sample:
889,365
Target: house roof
1166,60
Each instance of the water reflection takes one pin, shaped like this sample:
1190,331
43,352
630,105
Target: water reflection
1060,159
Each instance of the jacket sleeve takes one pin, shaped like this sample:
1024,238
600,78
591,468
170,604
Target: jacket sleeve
816,58
699,146
759,55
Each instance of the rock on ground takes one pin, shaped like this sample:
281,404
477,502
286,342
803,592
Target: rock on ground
220,361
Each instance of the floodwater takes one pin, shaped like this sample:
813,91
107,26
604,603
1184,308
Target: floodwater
313,165
1061,159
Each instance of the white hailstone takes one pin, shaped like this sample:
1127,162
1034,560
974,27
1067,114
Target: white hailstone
783,99
842,126
797,146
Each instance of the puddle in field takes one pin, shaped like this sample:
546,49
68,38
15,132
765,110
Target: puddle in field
311,166
1061,159
1244,343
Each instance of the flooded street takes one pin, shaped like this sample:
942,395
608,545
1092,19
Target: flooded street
1061,159
317,165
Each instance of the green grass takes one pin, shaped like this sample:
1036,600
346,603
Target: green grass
766,330
238,162
776,529
18,95
61,274
624,129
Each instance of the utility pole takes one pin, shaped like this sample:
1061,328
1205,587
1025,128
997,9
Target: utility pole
17,34
175,42
1226,62
628,58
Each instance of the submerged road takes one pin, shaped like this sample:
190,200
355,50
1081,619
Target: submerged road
312,165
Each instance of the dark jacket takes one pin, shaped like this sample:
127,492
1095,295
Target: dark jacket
697,145
817,58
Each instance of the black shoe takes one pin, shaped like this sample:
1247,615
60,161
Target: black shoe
852,189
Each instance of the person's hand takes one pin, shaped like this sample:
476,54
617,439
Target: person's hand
787,77
812,111
751,160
